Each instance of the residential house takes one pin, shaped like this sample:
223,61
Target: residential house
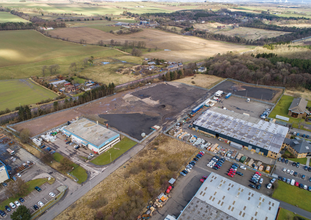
298,108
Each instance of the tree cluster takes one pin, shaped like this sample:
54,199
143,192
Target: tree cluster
16,188
278,71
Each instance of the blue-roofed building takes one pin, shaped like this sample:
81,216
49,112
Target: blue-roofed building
4,175
96,137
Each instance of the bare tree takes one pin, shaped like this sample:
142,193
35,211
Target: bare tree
73,67
54,68
101,43
44,68
82,41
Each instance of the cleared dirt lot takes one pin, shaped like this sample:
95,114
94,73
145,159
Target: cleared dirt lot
163,101
201,80
182,48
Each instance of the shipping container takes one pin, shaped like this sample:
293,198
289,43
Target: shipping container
228,95
242,160
235,145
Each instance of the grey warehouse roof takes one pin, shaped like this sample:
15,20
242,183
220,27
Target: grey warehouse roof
241,127
91,132
300,145
231,198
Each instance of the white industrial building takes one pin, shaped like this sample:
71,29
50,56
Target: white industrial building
222,198
92,135
4,175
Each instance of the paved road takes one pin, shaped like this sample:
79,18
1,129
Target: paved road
295,209
74,195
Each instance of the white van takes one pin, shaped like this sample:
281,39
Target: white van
248,100
292,182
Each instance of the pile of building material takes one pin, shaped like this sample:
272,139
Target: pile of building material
37,141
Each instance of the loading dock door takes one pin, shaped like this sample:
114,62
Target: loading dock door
249,147
257,150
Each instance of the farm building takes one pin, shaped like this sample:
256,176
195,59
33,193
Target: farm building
59,82
92,135
222,198
299,148
298,108
4,175
252,133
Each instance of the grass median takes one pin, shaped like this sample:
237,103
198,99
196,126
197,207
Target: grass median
293,195
285,214
116,151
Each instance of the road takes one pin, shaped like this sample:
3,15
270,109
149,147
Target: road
74,195
295,209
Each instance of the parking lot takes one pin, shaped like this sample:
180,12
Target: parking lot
279,171
187,186
59,145
239,105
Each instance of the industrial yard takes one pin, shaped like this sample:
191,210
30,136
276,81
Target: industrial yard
159,102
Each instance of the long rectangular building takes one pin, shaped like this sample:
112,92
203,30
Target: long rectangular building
221,198
250,132
93,135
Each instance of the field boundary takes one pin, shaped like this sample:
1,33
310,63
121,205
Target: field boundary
42,86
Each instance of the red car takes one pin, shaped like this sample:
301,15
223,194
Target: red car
204,177
258,173
232,170
169,189
231,175
202,152
297,184
202,180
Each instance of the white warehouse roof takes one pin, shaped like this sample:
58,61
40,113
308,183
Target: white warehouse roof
231,200
248,129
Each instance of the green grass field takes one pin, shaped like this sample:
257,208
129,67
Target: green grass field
300,160
293,195
23,53
31,187
116,151
288,215
14,93
80,174
8,17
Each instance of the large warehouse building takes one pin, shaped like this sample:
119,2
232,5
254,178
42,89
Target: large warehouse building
92,135
4,175
222,198
253,133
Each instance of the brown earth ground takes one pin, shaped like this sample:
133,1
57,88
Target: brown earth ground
303,93
181,48
201,80
114,187
174,96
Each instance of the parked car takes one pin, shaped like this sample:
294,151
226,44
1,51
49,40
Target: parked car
288,181
13,206
7,208
252,186
258,186
303,177
301,186
21,200
195,159
68,142
286,161
284,170
309,169
280,159
295,173
4,184
305,187
294,164
284,179
243,167
298,164
273,180
260,180
185,171
297,184
35,207
17,203
291,172
280,178
239,173
40,204
168,190
269,185
38,188
2,214
305,168
183,174
18,175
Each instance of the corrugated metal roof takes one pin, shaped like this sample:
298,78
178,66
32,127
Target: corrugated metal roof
234,199
248,129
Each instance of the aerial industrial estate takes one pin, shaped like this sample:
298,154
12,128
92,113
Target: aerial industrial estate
114,110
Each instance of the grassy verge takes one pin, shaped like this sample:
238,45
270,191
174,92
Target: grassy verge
80,174
285,214
300,160
293,195
31,186
116,151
